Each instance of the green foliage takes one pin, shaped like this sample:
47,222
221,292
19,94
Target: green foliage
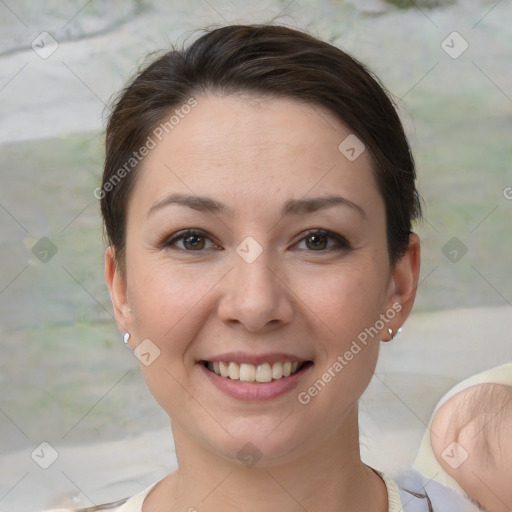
427,4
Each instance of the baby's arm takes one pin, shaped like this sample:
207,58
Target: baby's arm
471,437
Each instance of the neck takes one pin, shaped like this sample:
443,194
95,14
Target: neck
330,477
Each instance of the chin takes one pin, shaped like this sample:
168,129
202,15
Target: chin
262,441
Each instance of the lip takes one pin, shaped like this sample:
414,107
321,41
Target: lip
255,359
255,391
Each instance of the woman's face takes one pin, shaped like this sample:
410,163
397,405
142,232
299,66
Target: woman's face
273,274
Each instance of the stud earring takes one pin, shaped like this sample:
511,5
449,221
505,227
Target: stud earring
126,337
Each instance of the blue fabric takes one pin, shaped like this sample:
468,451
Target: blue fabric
442,498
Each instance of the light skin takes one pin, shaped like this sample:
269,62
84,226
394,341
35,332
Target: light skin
479,419
309,297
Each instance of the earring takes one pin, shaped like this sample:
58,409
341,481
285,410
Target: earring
126,337
390,332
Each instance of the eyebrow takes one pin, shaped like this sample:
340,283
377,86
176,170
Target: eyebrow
290,207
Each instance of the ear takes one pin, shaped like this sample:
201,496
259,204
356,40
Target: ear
402,286
116,283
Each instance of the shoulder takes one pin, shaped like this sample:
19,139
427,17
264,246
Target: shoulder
133,504
117,506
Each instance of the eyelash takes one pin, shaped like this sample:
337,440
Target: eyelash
342,242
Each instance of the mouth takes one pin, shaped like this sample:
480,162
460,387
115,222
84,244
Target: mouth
260,373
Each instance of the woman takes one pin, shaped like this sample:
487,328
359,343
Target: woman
258,196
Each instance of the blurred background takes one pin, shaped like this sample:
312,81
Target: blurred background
67,381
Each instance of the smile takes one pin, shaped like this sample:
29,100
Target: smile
266,377
246,372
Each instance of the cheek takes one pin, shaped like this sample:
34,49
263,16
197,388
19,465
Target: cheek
349,305
165,296
347,299
170,308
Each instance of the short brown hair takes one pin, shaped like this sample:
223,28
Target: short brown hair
269,60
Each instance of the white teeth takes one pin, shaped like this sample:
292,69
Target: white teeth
223,368
234,371
277,370
246,372
263,373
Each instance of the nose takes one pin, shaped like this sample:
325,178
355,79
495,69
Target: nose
255,296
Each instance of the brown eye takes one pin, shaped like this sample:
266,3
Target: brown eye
191,241
324,241
316,242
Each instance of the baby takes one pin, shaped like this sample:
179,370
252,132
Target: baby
465,459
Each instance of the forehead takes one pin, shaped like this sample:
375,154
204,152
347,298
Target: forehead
240,147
